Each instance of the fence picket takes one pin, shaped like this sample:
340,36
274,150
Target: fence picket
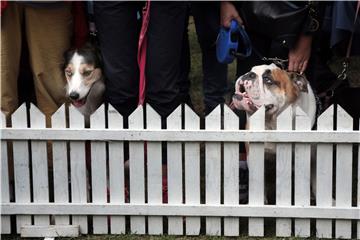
60,165
39,165
231,172
21,166
343,174
302,173
137,171
98,171
283,173
192,171
78,170
256,172
154,171
213,171
174,167
5,184
324,171
116,171
358,190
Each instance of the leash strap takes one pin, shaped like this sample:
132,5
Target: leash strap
142,46
342,76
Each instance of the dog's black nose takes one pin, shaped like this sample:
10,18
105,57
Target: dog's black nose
74,95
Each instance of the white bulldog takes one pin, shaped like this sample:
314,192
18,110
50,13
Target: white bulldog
276,89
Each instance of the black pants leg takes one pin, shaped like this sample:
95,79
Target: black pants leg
118,32
163,66
207,23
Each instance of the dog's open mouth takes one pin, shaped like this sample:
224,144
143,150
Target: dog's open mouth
79,103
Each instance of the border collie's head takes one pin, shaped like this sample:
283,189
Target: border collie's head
82,69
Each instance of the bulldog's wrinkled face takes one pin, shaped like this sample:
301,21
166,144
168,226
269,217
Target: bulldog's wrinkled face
270,86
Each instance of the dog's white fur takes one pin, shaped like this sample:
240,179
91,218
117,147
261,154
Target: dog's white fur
89,88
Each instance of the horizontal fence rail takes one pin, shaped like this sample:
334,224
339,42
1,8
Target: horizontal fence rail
97,177
181,135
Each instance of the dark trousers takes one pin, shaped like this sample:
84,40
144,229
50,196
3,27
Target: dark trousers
207,23
118,29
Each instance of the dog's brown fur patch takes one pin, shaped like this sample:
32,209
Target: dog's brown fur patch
285,84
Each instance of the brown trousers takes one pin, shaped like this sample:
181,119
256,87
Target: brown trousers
48,35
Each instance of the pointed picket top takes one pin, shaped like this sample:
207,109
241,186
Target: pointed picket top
115,119
231,120
37,118
58,119
257,120
3,119
76,119
213,120
192,120
136,119
285,119
174,119
326,119
97,119
153,119
344,120
302,121
19,117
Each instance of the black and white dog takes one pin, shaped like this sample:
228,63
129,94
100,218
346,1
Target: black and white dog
85,82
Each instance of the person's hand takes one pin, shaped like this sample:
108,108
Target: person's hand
299,56
228,12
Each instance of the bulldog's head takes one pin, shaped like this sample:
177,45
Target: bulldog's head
270,86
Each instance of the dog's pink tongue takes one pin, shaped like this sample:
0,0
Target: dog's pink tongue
78,103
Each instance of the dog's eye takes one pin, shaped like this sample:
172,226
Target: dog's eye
87,73
68,73
268,81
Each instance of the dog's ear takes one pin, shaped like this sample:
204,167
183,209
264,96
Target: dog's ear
299,81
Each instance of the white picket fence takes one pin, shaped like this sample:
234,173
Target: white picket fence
203,186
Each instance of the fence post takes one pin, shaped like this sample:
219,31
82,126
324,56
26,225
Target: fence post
5,184
343,193
283,173
21,166
324,174
154,171
256,173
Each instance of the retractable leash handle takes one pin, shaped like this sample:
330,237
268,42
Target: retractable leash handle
227,44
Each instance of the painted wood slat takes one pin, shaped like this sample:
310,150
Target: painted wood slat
283,173
49,231
154,171
78,172
213,172
21,166
39,165
343,194
60,166
98,171
116,171
231,172
5,184
302,174
181,210
182,135
137,171
256,173
324,172
358,190
174,168
192,171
